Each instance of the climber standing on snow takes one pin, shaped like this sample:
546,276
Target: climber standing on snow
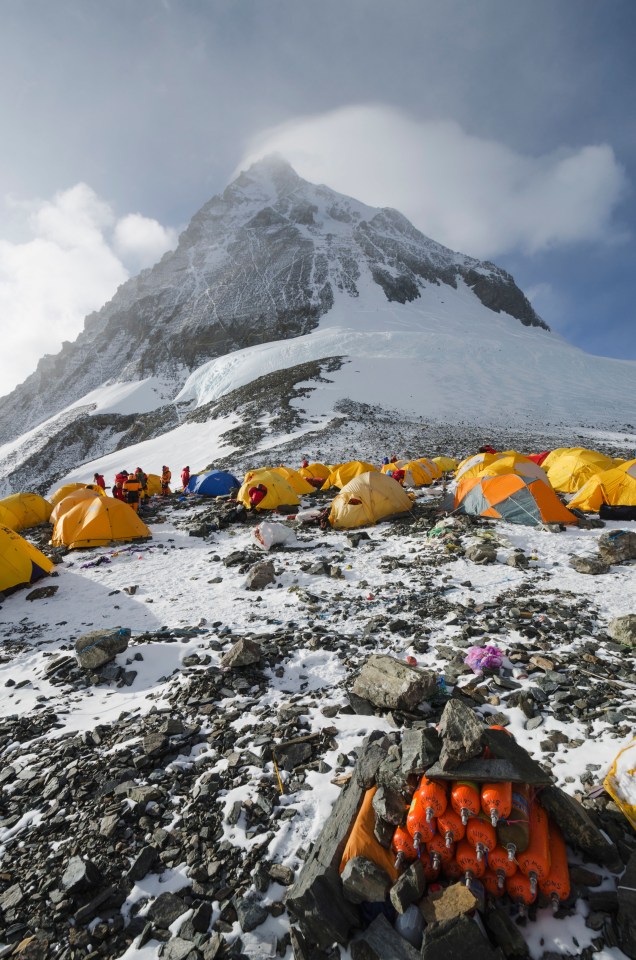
166,477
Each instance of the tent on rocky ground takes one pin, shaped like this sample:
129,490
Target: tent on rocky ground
295,480
315,474
615,487
514,463
64,491
513,498
342,474
539,458
431,466
217,483
23,510
97,523
70,501
446,464
20,562
367,499
153,485
568,469
279,492
473,465
415,473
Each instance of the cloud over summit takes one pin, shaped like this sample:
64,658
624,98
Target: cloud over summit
474,195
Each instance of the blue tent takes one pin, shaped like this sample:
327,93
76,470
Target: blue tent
218,483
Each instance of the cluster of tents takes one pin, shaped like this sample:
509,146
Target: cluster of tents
523,489
506,485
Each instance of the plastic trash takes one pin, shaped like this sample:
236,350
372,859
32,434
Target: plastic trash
269,534
484,658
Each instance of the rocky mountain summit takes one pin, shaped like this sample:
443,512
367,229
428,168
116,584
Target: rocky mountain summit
262,261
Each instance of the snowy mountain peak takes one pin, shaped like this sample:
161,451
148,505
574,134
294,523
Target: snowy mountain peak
268,261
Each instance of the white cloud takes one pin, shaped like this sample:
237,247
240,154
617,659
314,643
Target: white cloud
474,195
143,240
76,257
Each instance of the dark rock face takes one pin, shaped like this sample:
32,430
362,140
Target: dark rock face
627,909
381,942
455,940
364,882
80,875
461,733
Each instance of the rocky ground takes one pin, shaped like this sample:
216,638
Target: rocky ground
162,803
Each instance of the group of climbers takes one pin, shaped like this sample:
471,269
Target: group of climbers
130,488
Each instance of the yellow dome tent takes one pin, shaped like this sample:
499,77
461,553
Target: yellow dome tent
97,523
431,466
64,491
20,562
153,484
515,463
615,487
474,465
446,464
367,499
295,480
345,472
572,468
23,510
415,473
70,501
279,492
513,498
315,471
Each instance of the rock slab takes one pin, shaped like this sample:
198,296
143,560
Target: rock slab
392,684
101,646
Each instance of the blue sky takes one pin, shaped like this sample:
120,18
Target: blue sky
505,130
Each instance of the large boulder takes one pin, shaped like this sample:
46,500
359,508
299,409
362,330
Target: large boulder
101,646
617,546
244,653
623,629
392,684
260,575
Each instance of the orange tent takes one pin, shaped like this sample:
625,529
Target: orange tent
511,497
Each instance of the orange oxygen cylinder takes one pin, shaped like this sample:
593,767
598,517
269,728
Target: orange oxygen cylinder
519,889
557,884
433,796
450,826
482,835
496,801
514,834
465,799
452,871
535,861
403,847
491,882
467,859
431,872
416,823
439,852
502,866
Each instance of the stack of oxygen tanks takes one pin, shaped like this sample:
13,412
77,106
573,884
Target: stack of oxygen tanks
495,833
